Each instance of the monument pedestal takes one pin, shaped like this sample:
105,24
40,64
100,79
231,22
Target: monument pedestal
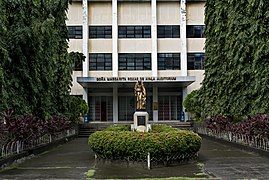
141,119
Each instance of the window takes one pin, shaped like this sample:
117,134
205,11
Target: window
168,61
135,61
74,32
195,31
134,31
168,31
196,61
100,32
100,61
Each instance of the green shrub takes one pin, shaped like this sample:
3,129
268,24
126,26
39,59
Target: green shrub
77,107
118,127
193,105
122,144
157,128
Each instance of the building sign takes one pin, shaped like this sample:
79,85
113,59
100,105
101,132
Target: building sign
126,79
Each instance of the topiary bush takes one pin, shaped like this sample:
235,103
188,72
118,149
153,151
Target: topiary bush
164,144
157,128
119,127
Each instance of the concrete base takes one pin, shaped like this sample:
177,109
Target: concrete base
141,122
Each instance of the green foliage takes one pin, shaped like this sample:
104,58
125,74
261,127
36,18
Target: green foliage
118,127
35,68
193,105
77,107
120,144
157,128
90,173
237,64
77,58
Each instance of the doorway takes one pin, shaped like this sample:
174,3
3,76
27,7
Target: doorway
101,108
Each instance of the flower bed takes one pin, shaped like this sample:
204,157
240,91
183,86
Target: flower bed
163,143
22,133
29,127
256,126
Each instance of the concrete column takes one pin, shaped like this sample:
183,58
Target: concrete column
115,38
183,37
85,95
154,64
85,36
155,100
115,104
184,95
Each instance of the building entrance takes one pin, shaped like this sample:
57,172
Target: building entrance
101,108
170,108
103,111
127,107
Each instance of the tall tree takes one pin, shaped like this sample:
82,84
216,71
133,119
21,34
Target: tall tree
237,64
36,67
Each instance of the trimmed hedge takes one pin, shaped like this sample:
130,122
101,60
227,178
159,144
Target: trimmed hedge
157,128
118,128
163,142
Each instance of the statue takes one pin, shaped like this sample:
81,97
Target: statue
141,96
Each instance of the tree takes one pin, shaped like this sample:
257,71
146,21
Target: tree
192,104
237,64
35,67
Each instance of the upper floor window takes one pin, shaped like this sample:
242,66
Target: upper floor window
134,61
168,31
100,61
134,31
195,31
100,32
196,61
168,61
74,32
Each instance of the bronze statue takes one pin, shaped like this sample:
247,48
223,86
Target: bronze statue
141,96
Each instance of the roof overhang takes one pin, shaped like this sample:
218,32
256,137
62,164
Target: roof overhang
103,82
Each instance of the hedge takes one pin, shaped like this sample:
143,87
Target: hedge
163,143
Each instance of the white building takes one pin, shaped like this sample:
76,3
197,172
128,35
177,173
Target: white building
161,43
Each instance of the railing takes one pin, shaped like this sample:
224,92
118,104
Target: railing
252,141
16,147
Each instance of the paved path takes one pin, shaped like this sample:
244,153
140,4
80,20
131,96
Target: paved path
68,161
74,159
231,163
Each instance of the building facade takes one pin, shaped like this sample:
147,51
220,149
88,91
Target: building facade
160,42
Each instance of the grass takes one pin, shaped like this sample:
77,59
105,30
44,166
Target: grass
90,173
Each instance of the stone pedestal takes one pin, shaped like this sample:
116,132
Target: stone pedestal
141,119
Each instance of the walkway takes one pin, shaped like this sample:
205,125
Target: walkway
68,161
74,159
